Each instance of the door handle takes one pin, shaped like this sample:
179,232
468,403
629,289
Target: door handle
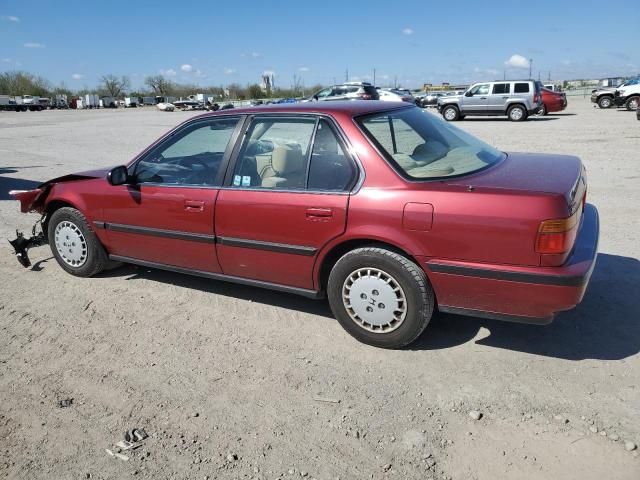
194,206
505,97
319,213
483,98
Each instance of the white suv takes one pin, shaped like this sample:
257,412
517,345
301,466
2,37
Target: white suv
516,99
628,94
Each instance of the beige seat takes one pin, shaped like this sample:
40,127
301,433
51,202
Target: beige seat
288,166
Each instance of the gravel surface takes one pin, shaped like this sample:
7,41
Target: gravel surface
236,382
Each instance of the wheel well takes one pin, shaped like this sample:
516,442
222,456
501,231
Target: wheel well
51,208
339,250
516,104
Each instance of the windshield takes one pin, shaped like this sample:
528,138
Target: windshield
421,146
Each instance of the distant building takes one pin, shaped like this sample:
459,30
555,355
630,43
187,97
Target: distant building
268,82
445,86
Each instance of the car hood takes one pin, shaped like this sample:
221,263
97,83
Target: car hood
99,173
449,98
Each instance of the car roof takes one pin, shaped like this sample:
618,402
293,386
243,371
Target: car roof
353,108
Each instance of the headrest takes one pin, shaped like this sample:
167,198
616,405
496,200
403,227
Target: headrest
287,159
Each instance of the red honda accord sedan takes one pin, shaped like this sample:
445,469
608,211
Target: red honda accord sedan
385,209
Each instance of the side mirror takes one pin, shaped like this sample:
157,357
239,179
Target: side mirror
118,175
468,94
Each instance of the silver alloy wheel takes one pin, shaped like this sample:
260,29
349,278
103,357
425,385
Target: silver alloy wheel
450,113
516,113
71,244
374,300
605,102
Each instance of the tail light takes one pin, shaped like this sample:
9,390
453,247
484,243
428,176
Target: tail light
557,235
364,96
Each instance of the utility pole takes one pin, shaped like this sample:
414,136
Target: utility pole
395,81
374,76
346,74
504,74
530,65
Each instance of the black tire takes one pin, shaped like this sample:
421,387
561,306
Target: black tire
517,113
632,104
451,113
418,296
93,259
605,102
542,111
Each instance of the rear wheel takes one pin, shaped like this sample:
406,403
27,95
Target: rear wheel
543,110
73,243
517,113
450,114
605,102
632,103
380,297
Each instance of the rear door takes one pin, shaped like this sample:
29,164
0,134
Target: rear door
497,102
166,215
285,197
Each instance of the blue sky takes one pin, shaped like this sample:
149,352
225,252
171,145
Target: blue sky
217,43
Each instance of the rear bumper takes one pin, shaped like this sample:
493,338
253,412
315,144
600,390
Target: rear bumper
521,294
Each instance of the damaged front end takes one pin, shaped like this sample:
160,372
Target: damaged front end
21,245
30,200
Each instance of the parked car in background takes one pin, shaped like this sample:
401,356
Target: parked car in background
552,101
395,96
430,99
517,99
347,91
421,216
628,94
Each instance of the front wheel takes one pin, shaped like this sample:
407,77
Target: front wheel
605,102
73,243
632,103
380,297
517,113
450,114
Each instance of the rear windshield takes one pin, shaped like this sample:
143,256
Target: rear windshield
422,146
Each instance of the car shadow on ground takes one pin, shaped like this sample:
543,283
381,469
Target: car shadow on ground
604,326
10,183
536,118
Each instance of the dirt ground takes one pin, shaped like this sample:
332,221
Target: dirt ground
237,382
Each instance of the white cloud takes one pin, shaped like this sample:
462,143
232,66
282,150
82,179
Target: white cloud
34,45
407,31
77,76
11,18
168,73
255,55
566,63
304,69
186,68
6,60
517,61
229,71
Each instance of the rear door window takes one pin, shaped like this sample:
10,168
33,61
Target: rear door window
501,88
521,88
330,169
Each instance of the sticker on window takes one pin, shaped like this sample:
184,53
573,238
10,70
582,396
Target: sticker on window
246,181
236,180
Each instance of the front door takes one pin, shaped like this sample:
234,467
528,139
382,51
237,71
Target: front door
285,198
166,214
476,103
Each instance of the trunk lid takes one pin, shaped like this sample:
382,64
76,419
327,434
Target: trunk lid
556,175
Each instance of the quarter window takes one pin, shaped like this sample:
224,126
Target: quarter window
192,156
501,88
521,88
